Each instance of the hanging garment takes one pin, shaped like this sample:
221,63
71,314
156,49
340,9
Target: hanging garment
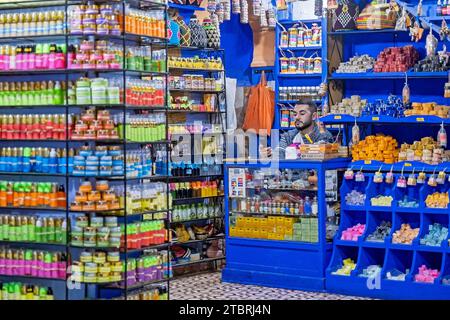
260,108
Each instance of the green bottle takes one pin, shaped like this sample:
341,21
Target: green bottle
51,230
42,294
12,234
23,233
32,229
58,94
39,230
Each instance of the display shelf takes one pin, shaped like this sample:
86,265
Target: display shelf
77,71
185,7
175,265
363,32
197,91
26,278
139,285
32,244
179,201
194,112
388,75
93,105
197,241
413,120
195,69
273,214
196,219
155,246
299,75
287,22
193,178
195,48
301,48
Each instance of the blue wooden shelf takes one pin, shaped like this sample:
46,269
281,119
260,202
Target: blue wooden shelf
348,119
388,75
299,75
363,32
318,20
185,7
301,48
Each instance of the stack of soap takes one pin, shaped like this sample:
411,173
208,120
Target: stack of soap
352,233
426,150
307,230
380,148
426,275
355,198
371,271
432,64
348,265
405,235
352,106
356,64
408,203
436,234
396,275
437,200
382,201
396,59
427,108
382,231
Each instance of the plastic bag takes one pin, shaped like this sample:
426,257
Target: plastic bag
260,107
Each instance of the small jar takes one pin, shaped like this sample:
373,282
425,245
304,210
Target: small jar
109,195
86,46
86,257
114,258
86,187
99,257
102,206
88,206
92,161
90,277
79,161
102,185
106,161
111,222
85,151
104,135
103,115
90,267
114,205
89,135
91,171
105,171
82,221
96,125
115,232
81,124
101,151
115,151
76,206
109,125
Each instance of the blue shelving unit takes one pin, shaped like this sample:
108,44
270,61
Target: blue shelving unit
406,258
282,264
286,80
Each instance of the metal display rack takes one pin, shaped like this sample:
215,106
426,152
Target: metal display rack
92,290
219,114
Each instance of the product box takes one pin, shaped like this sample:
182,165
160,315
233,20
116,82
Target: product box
233,231
240,222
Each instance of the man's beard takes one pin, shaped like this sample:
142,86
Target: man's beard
301,126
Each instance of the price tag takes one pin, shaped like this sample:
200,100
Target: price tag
407,164
147,216
337,117
420,120
375,118
367,161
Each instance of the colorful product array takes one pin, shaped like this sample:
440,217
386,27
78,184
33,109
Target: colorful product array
195,211
357,64
21,291
144,127
156,293
32,195
396,59
196,63
426,150
182,169
348,265
144,234
144,197
437,233
103,161
381,201
194,128
33,127
144,92
103,198
195,189
297,93
185,103
97,267
39,160
437,200
91,125
306,230
428,108
45,56
405,235
299,37
195,83
32,93
304,206
87,91
32,23
426,275
355,198
301,65
380,148
272,228
96,232
381,232
42,264
33,229
146,23
146,268
353,233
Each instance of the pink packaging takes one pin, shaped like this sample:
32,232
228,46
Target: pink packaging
102,65
19,62
81,56
96,56
61,270
34,268
20,269
45,61
40,268
54,270
60,62
25,61
39,61
32,61
109,56
2,266
52,61
2,62
28,267
8,267
114,65
89,65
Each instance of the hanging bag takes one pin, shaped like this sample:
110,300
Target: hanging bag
198,34
212,36
173,33
185,32
345,15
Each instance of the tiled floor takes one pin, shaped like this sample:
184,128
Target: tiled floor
209,287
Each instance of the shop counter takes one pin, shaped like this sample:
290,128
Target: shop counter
276,222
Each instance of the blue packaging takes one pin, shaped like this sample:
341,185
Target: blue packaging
86,153
101,153
45,165
62,165
14,164
2,163
115,153
26,164
79,161
92,161
106,161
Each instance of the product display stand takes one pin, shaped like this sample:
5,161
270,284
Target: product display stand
195,152
96,284
276,263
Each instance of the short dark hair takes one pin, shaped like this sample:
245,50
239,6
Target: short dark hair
311,104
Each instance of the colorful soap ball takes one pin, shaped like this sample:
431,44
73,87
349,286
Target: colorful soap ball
352,233
348,265
381,232
381,201
426,275
405,235
437,200
396,275
371,271
436,234
355,198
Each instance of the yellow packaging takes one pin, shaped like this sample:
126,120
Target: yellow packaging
233,231
240,222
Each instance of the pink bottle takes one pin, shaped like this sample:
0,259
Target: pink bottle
25,58
32,59
2,262
38,59
60,62
19,59
2,59
28,264
21,263
8,264
52,60
34,266
54,270
40,265
45,57
62,269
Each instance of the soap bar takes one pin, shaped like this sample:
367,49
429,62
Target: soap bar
352,233
355,198
381,232
405,235
379,148
371,271
437,200
382,201
348,265
426,275
437,233
396,275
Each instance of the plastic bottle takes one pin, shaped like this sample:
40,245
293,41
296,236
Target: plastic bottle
442,137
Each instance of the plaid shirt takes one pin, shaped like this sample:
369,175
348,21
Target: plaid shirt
287,139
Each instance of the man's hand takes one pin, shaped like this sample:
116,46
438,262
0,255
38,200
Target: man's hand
265,152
